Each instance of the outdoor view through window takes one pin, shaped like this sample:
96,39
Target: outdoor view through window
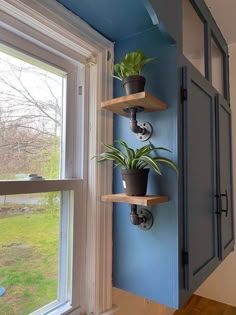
30,119
31,102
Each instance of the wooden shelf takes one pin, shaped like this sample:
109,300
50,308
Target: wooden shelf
143,99
148,200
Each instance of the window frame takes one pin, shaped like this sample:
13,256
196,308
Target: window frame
212,30
52,25
223,55
204,39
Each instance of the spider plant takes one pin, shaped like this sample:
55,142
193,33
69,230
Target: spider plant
128,158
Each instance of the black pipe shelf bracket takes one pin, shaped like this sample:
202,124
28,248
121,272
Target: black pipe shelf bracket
144,129
132,104
143,218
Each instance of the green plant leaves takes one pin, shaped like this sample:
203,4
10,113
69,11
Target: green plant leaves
130,152
131,64
167,162
129,158
152,163
112,156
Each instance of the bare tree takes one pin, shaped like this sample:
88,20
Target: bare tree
30,115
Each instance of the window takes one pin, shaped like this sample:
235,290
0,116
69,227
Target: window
33,105
217,66
31,117
35,120
193,37
50,95
29,251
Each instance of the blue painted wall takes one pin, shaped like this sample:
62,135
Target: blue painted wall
169,14
149,263
114,19
146,263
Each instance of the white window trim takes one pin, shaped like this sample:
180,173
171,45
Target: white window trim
53,21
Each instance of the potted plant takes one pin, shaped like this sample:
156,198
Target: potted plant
129,70
134,163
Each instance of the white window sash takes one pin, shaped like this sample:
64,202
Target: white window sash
29,187
50,21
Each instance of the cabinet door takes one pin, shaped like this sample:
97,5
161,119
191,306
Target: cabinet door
200,203
225,188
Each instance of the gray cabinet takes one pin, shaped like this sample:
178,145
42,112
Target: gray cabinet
208,214
224,178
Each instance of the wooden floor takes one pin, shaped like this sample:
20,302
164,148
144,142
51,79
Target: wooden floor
198,305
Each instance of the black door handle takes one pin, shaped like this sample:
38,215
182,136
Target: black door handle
227,203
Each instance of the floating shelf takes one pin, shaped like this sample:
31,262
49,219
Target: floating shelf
143,99
148,200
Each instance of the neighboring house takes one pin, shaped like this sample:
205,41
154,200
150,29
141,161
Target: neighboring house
191,234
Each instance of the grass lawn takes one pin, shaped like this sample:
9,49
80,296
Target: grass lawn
28,261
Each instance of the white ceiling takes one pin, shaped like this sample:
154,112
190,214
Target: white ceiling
224,13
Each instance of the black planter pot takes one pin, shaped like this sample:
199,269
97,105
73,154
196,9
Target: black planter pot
133,84
135,181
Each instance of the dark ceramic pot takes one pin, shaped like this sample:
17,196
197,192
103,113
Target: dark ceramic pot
133,84
135,181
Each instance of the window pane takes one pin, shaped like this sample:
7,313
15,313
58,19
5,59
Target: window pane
31,102
29,251
193,37
217,67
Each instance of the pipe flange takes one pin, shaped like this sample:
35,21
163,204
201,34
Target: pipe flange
137,109
147,219
148,131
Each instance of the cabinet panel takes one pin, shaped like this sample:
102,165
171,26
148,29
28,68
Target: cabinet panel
199,178
225,188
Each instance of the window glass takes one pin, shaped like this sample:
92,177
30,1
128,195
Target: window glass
193,37
36,242
217,67
29,251
31,99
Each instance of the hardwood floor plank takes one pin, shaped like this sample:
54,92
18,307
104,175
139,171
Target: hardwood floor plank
230,310
198,305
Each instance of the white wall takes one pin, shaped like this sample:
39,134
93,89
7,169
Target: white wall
221,285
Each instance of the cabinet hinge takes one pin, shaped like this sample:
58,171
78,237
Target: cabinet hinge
183,94
185,258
